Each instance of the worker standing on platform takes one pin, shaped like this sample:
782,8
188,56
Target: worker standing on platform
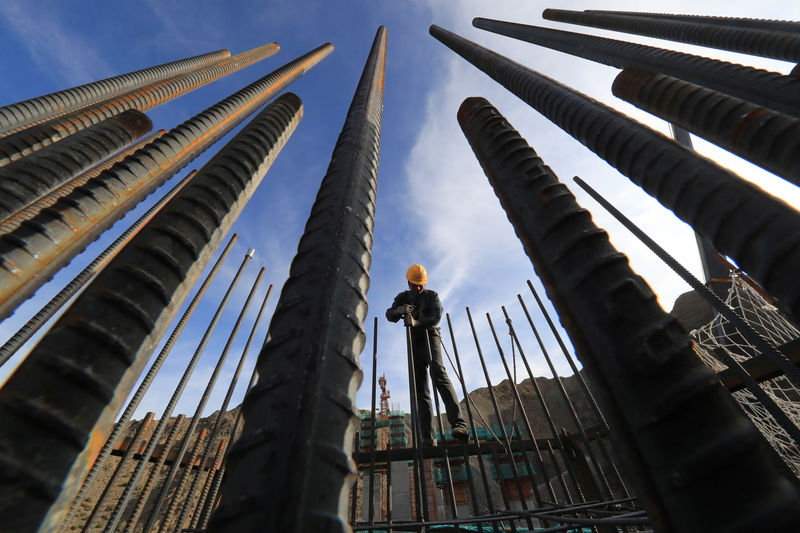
421,310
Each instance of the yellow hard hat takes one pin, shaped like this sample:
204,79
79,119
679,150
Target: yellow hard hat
417,275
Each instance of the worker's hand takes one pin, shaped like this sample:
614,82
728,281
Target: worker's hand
409,320
408,309
398,312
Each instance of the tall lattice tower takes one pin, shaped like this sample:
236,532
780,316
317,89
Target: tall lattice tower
384,412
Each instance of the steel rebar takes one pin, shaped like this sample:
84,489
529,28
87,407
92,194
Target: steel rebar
81,371
769,89
178,494
30,255
309,368
760,135
420,488
374,429
736,22
24,181
759,42
34,138
122,422
20,115
760,231
654,386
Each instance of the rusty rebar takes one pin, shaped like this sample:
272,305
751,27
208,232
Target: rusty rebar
15,146
420,486
374,429
20,115
178,494
760,42
762,87
736,22
26,180
759,231
653,385
30,255
80,373
758,134
299,477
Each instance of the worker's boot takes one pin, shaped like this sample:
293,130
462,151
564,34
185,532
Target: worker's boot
460,431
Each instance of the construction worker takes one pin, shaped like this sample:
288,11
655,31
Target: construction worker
421,309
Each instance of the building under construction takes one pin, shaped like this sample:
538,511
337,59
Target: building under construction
676,422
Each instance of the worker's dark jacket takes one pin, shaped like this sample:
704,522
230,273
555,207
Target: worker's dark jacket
427,310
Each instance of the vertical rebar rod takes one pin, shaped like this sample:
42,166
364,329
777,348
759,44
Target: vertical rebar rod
389,502
542,403
640,358
354,489
791,372
24,334
761,232
25,181
528,428
451,497
217,426
116,515
32,253
503,494
374,428
506,441
133,403
760,135
121,468
20,115
754,41
769,89
179,494
81,372
473,428
420,490
34,138
736,22
300,479
198,413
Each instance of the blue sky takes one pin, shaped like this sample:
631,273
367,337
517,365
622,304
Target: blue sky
434,205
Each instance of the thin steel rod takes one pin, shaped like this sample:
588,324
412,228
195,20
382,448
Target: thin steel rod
31,210
479,453
388,496
303,475
122,467
374,428
20,115
116,514
760,135
25,181
198,413
47,311
121,426
354,489
35,251
761,232
542,402
769,89
451,498
179,494
791,372
501,483
420,489
754,41
217,426
654,385
506,440
528,428
735,22
34,138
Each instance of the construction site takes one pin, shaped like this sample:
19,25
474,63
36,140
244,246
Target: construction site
670,420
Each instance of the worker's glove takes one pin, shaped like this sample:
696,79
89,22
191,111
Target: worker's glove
408,309
409,320
398,312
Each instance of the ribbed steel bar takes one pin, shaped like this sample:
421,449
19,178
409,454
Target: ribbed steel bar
212,474
300,479
80,373
481,466
179,494
753,41
217,426
531,435
543,404
15,146
33,209
420,487
760,135
354,487
122,422
654,386
736,22
506,441
760,344
122,467
765,88
30,255
759,231
49,310
18,116
374,429
26,180
155,472
116,514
